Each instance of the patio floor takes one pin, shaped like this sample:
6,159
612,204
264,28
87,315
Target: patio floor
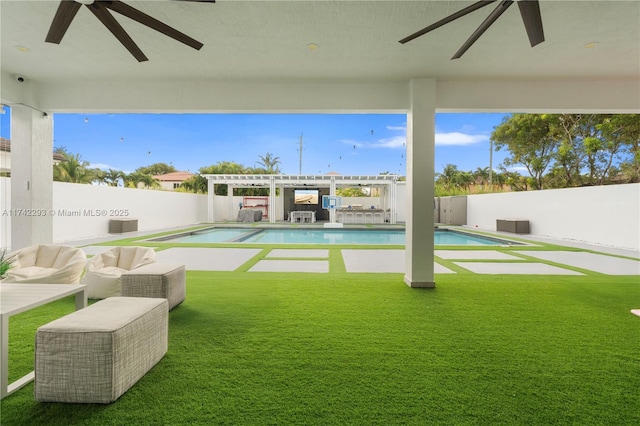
392,261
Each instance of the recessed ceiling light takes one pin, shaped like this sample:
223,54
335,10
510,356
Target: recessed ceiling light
313,46
22,48
591,45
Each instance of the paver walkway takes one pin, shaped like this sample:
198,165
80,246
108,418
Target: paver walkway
392,260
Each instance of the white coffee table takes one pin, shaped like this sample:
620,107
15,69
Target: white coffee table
18,298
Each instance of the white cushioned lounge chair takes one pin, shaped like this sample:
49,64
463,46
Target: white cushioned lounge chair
103,272
48,264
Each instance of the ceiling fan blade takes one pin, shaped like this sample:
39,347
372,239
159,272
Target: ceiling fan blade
116,29
452,17
144,19
530,11
61,21
504,5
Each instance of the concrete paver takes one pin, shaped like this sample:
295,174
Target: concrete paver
380,261
590,261
207,259
520,268
474,255
296,253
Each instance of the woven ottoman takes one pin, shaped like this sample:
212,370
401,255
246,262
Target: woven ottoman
96,354
166,280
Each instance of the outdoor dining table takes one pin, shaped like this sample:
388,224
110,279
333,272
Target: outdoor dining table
18,298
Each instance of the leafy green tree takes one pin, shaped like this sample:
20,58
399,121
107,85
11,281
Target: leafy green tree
624,129
62,150
156,169
223,168
515,180
530,142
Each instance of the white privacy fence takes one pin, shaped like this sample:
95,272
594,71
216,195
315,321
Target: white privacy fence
84,211
603,215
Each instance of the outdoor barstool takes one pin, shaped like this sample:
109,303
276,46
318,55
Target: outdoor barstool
368,217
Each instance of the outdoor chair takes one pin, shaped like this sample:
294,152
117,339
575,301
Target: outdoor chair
48,264
104,271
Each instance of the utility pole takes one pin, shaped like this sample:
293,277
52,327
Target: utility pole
300,171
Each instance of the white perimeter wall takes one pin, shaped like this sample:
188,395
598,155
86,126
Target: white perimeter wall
602,215
152,209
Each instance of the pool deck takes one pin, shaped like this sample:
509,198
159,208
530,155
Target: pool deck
518,261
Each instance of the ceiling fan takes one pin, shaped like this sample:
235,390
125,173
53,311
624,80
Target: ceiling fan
100,8
529,9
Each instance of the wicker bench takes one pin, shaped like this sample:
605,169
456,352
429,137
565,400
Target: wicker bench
166,280
96,354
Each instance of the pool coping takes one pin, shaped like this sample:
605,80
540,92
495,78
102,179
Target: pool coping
507,242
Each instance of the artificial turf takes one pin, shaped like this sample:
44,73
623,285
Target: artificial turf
365,349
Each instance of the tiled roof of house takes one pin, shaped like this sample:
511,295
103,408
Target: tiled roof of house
174,177
5,145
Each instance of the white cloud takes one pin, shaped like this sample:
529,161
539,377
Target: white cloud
392,142
102,166
458,138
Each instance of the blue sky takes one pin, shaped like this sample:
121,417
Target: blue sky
354,144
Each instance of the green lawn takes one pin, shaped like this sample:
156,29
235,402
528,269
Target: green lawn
365,349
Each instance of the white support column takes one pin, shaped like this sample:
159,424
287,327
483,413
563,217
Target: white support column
393,206
230,206
272,199
419,257
31,177
211,214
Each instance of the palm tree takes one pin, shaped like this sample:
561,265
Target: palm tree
99,176
113,177
448,176
149,181
464,179
270,163
134,179
196,184
73,169
482,175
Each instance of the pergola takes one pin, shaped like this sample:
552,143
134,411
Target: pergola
273,182
311,57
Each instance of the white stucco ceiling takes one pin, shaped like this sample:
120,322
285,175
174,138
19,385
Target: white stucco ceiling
263,40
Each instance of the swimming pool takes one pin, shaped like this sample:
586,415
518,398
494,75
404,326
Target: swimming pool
326,236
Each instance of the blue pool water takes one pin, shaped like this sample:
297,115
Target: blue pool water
326,236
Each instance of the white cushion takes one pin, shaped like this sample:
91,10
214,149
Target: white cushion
103,283
48,264
103,271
